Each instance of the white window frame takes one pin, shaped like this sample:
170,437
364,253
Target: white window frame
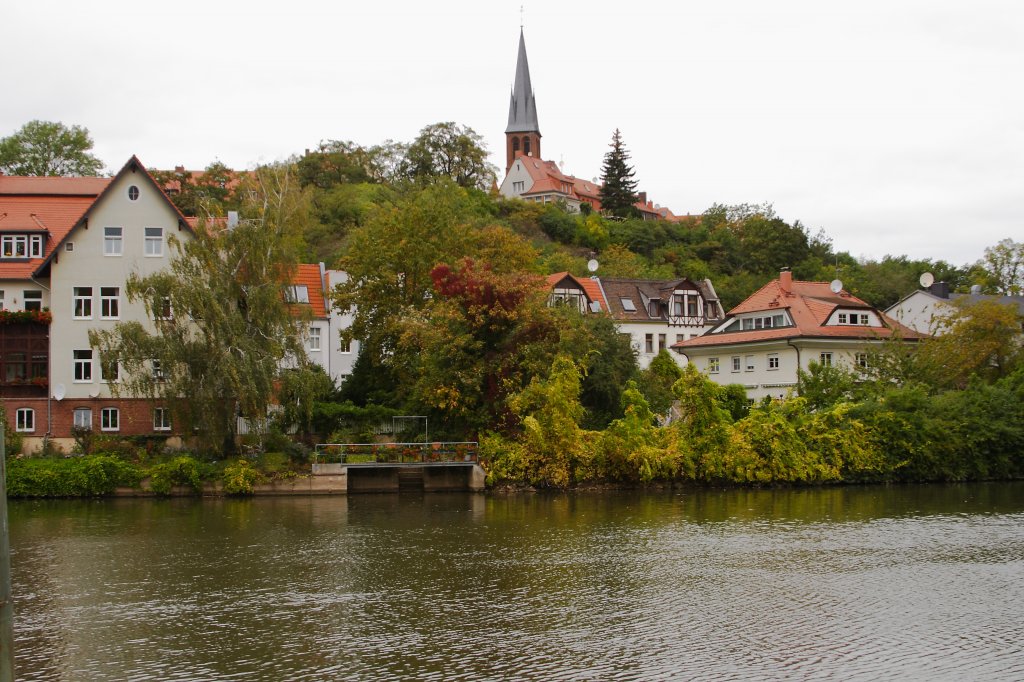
750,363
345,347
110,303
21,246
82,366
861,360
113,241
116,367
161,419
825,359
296,293
81,303
32,299
82,418
314,339
713,365
158,371
110,419
737,363
154,243
25,420
773,361
649,344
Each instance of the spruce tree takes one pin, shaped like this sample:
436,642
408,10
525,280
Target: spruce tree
618,190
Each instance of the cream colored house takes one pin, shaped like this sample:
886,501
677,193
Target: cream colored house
82,237
782,328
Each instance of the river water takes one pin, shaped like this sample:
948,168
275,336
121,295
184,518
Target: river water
858,583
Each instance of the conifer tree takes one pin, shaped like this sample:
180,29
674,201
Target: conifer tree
618,190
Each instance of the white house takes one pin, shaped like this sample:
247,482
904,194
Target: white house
783,327
654,313
67,246
312,286
922,309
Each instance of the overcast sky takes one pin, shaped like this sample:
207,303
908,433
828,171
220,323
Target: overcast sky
895,126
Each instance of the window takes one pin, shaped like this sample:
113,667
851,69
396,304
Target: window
648,343
661,342
842,318
627,305
163,309
133,193
110,419
865,320
680,338
677,306
1,299
861,360
346,346
750,363
735,363
314,338
158,370
519,186
83,365
713,365
112,245
764,322
21,246
82,303
154,241
25,420
773,361
33,300
110,303
297,293
652,309
70,246
15,365
826,359
161,419
83,418
109,370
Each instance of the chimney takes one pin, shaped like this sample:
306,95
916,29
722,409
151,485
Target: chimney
643,198
786,281
179,169
940,289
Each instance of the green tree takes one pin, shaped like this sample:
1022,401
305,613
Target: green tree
222,333
48,148
823,386
657,380
450,150
1003,268
618,189
976,339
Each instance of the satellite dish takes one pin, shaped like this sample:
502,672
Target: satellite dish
927,279
59,391
836,286
94,394
592,265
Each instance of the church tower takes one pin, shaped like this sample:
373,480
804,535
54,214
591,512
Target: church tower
522,136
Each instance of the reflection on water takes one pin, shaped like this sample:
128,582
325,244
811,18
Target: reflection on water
850,583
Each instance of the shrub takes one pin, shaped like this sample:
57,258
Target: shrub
182,470
240,478
73,477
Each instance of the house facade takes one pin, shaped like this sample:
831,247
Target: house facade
312,286
74,242
655,314
922,310
783,327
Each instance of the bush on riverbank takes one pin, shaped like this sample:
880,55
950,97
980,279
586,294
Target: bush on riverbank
898,434
73,477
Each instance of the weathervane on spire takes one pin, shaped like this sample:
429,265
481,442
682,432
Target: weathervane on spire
520,16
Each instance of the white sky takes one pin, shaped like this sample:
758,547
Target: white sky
897,126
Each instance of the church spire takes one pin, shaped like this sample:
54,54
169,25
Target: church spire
522,107
523,131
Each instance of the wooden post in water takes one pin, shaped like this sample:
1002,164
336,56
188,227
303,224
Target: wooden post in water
6,605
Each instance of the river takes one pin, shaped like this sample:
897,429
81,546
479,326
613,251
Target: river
850,583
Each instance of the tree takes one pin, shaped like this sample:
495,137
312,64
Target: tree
618,189
48,148
977,339
222,333
207,193
1003,268
450,150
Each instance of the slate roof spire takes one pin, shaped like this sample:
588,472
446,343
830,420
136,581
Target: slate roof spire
522,107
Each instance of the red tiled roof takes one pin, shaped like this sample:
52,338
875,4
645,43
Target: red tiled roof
309,275
43,204
810,304
589,286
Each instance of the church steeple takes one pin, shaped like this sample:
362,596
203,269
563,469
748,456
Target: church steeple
522,135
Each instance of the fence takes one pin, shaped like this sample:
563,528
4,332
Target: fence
396,453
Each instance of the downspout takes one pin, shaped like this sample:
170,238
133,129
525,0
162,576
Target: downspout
49,368
789,342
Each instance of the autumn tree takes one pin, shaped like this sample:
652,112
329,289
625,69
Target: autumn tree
48,148
618,188
1003,268
222,333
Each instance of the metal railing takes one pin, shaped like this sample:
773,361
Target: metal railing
396,453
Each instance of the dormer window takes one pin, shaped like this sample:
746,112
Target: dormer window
652,309
21,246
